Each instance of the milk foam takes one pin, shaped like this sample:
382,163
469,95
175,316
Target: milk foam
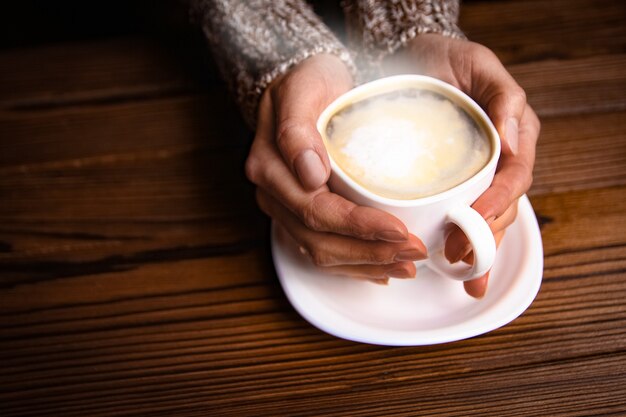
408,145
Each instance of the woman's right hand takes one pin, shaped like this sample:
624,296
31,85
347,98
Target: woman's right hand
290,167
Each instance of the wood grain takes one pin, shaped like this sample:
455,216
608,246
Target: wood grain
101,71
583,151
145,323
90,135
574,86
136,275
535,30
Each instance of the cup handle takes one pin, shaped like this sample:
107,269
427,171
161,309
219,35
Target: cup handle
480,237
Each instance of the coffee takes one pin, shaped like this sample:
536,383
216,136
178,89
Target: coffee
407,144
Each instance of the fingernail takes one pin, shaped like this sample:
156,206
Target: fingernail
476,288
511,134
391,236
399,273
465,250
382,281
477,295
409,255
310,169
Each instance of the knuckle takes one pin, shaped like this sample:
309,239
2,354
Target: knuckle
352,221
537,126
523,177
378,254
511,188
351,217
379,273
310,213
518,95
536,123
319,257
379,257
528,182
288,131
504,194
251,169
483,53
309,216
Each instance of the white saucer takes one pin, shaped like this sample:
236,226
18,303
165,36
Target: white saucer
427,310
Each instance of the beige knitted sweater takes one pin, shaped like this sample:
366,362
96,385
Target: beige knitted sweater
255,41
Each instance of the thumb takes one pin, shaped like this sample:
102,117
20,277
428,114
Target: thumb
505,101
303,150
299,100
298,105
506,109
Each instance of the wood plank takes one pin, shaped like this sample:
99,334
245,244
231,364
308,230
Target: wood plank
103,218
534,30
582,221
90,71
574,86
248,369
260,375
179,333
153,279
82,243
84,135
160,188
570,218
580,152
137,280
548,388
32,261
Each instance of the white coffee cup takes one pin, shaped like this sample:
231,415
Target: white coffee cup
427,217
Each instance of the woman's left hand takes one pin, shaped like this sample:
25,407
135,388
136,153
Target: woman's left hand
477,71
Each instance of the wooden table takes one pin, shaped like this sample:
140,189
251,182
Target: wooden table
135,270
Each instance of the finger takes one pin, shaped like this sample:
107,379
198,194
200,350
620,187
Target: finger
321,210
383,281
299,99
378,274
498,92
478,287
261,145
514,175
458,247
329,249
302,149
506,219
377,281
397,270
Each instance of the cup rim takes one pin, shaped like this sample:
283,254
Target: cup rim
388,84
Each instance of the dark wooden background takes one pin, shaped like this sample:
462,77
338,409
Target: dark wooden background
135,274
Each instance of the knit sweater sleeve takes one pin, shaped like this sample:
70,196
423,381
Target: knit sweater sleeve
255,41
377,28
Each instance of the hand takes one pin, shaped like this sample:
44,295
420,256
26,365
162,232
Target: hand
289,164
477,71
